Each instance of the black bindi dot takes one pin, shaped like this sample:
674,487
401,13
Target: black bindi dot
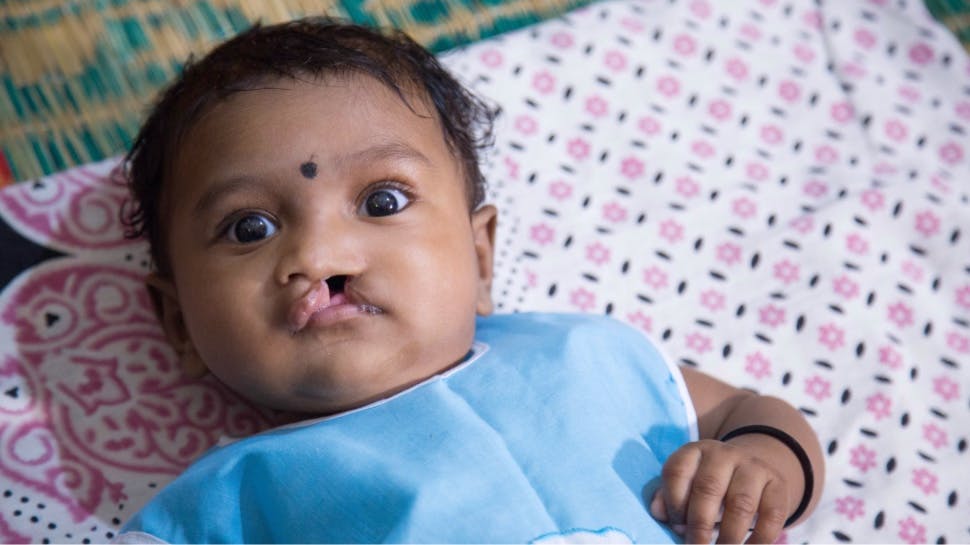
309,170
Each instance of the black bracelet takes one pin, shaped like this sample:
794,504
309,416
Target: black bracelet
796,448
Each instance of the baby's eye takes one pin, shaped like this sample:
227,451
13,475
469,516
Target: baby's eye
252,227
384,201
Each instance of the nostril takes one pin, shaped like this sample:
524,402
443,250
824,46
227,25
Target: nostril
336,284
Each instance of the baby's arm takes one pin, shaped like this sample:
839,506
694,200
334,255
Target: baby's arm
754,474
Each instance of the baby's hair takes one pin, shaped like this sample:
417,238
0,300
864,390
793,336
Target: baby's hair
304,49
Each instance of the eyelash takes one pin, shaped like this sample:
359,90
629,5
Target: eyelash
386,184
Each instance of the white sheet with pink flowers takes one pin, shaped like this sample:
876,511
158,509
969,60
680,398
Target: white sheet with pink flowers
775,190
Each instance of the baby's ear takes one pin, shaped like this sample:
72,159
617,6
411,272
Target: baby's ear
169,312
483,231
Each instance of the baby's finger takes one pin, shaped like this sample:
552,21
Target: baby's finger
657,507
741,502
706,497
676,477
771,514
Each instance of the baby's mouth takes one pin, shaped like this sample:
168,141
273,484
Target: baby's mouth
326,302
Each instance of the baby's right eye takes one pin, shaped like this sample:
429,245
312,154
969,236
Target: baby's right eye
252,227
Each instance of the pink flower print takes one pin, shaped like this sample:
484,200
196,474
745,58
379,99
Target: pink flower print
864,38
842,111
951,153
512,166
729,253
757,365
544,82
562,40
786,271
491,58
582,299
750,32
526,124
712,300
641,320
771,315
578,149
668,86
862,458
804,53
895,130
803,224
958,342
818,388
614,212
853,70
702,149
632,168
857,244
963,296
771,134
671,231
845,286
757,171
910,93
698,342
940,184
700,8
736,68
596,106
879,405
615,60
531,278
831,336
815,188
631,24
900,314
687,187
921,53
649,125
962,109
850,507
912,270
935,435
889,357
925,480
655,277
789,91
542,234
911,531
719,109
560,190
597,253
812,19
744,207
927,223
826,154
684,44
873,199
767,3
946,388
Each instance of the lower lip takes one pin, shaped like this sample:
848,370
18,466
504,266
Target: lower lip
338,313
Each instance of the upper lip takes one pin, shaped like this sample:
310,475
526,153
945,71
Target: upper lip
316,298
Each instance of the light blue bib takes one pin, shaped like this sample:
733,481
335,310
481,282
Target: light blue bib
553,430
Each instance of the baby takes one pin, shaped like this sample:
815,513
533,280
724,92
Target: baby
313,200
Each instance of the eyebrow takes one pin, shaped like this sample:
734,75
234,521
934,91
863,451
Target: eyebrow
393,150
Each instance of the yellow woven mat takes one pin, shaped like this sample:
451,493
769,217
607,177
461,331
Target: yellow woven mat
78,75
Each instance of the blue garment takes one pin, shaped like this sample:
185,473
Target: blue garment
551,429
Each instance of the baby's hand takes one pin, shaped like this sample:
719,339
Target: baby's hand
701,478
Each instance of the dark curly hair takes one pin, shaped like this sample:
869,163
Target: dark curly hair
311,47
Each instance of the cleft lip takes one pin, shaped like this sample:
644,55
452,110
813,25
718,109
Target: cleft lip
319,303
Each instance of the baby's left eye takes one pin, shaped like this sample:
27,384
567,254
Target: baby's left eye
384,201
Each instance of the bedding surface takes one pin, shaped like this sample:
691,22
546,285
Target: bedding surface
775,191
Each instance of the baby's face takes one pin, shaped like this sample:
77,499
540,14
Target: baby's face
322,249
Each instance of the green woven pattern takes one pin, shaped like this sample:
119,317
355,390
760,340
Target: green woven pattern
955,14
78,75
